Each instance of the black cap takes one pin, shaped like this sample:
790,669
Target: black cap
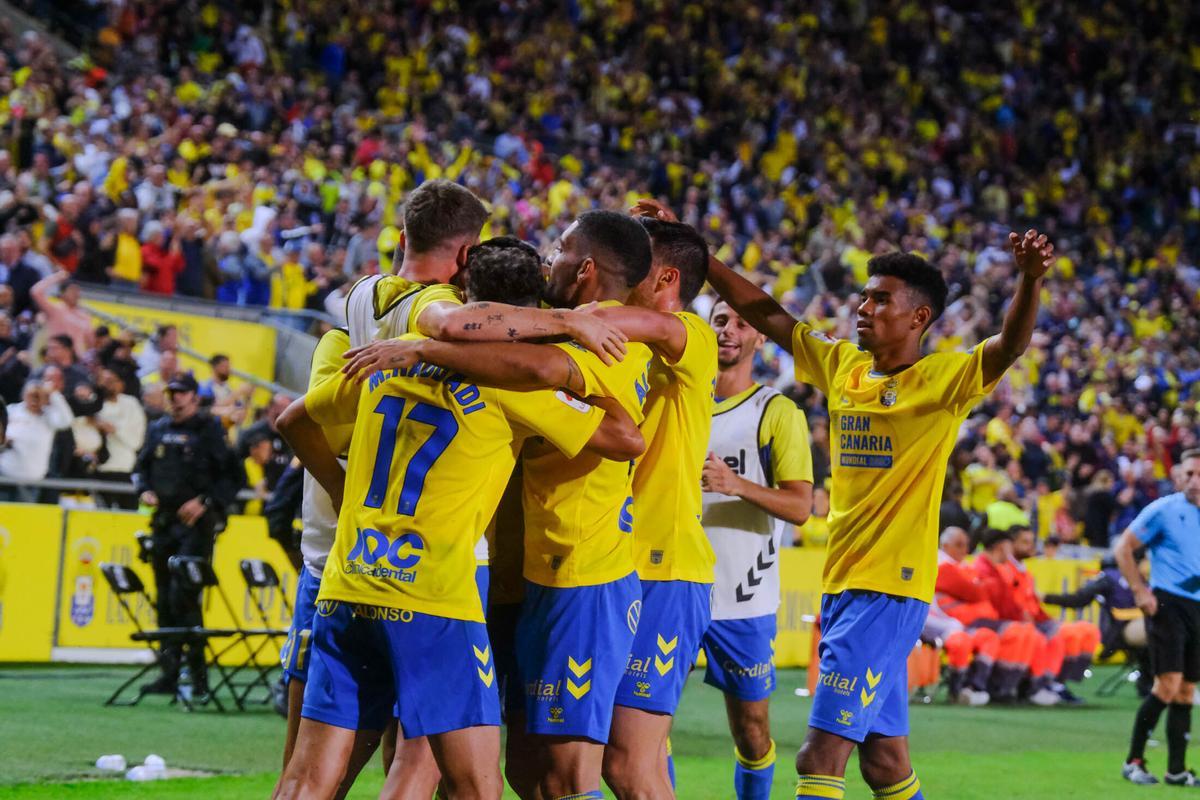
183,383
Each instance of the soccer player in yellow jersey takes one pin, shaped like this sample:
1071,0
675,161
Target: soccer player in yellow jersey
671,553
399,620
894,417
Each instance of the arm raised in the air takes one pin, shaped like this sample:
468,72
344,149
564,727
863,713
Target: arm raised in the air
1033,255
750,302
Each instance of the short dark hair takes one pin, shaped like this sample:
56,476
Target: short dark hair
679,246
992,537
505,270
917,273
438,211
619,241
64,340
217,359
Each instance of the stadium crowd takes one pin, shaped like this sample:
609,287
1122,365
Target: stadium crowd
258,153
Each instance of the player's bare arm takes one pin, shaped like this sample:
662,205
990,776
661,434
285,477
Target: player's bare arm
618,437
752,303
663,332
517,366
790,502
1034,255
498,322
308,442
1123,552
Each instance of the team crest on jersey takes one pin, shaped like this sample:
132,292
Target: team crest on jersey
888,398
656,557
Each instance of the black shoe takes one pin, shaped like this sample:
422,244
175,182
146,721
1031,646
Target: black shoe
1069,698
162,685
1186,778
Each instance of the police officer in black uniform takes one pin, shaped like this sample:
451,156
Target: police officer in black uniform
189,475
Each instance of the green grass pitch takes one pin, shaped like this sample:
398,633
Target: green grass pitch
53,727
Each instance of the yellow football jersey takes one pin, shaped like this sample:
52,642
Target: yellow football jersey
577,522
890,439
669,543
429,460
327,362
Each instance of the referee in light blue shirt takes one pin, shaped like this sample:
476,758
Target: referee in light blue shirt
1169,528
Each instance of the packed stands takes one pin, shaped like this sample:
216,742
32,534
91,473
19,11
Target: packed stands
258,153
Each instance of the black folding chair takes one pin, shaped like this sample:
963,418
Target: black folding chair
199,574
125,584
261,576
263,586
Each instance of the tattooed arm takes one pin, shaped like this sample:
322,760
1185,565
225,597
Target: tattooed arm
506,366
497,322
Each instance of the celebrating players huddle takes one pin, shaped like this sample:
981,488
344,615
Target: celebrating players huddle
563,456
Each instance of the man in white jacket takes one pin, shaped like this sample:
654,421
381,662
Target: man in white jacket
31,427
123,423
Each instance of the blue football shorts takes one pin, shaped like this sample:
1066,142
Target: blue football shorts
434,674
862,688
674,616
295,652
740,656
572,646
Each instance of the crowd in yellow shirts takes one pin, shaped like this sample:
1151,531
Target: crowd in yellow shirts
275,142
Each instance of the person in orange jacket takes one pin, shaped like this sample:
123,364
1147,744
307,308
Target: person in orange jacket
959,604
1068,647
1023,650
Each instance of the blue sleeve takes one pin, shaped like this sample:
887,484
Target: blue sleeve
1147,525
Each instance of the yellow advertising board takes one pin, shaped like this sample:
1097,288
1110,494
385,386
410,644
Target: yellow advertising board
91,618
52,594
1061,576
800,603
30,549
249,345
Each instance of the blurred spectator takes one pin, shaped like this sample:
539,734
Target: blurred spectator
126,269
1004,513
32,424
14,362
260,453
162,261
64,317
1099,506
264,429
16,273
166,337
59,361
122,422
